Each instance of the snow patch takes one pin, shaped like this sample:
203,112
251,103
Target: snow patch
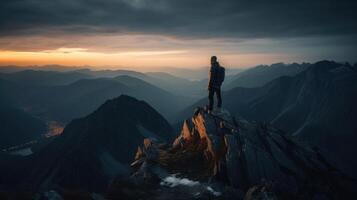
173,181
197,187
22,152
215,193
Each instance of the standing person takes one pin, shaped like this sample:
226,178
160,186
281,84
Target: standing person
216,78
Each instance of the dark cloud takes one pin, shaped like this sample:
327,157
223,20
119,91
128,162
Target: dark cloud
185,18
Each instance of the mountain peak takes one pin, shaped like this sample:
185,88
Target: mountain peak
104,142
129,110
122,99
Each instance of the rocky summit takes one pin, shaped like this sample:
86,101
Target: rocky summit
219,157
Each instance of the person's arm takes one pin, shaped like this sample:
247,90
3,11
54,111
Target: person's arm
223,74
210,74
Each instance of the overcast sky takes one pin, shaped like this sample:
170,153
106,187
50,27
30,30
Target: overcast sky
179,33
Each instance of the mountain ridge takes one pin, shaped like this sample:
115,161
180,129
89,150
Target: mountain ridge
262,74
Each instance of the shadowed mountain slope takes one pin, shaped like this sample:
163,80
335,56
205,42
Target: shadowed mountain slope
94,149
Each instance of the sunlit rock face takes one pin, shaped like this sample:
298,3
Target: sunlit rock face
236,159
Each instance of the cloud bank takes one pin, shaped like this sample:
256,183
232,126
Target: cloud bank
177,32
183,18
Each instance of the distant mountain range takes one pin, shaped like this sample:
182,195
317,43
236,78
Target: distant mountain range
43,78
64,95
57,68
196,73
66,102
186,73
262,74
179,86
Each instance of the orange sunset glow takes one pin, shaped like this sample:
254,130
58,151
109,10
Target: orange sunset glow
78,56
145,51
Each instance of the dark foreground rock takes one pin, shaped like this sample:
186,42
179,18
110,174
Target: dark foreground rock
214,157
218,157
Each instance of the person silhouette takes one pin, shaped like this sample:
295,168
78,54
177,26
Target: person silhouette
216,78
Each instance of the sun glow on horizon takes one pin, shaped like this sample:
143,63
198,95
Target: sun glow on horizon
136,51
82,56
137,59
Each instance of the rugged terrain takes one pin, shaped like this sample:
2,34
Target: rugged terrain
214,157
219,157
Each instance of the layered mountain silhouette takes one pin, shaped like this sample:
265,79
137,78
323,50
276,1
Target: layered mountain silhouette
53,67
93,149
32,98
181,86
44,78
66,102
317,105
262,74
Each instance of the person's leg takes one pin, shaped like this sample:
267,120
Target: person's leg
210,99
219,98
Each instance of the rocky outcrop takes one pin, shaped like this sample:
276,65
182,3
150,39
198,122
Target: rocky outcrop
235,158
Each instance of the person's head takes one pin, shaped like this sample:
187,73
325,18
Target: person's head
213,59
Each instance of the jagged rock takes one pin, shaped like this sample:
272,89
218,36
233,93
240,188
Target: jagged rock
139,153
252,157
150,151
147,169
186,135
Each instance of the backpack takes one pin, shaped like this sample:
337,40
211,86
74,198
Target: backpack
221,74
